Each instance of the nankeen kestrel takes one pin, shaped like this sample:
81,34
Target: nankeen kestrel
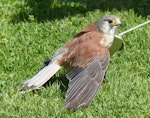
87,57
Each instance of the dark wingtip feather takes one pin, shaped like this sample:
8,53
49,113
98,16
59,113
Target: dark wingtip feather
74,106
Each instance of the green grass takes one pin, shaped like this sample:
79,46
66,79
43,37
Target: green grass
31,31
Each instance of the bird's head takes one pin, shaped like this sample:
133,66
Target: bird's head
108,23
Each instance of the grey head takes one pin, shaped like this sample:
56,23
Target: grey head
108,24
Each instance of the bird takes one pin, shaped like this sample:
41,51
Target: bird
85,57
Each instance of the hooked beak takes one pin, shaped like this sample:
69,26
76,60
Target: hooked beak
118,23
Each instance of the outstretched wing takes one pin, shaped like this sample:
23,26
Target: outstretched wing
85,81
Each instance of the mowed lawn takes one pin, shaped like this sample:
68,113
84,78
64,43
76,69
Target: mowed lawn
31,31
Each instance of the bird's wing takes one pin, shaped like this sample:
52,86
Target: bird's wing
85,81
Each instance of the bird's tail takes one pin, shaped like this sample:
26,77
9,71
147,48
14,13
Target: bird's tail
41,77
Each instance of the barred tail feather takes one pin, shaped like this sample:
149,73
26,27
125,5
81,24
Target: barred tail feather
41,77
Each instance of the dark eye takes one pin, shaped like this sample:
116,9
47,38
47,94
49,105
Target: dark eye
110,21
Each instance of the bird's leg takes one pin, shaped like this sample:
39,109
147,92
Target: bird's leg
104,80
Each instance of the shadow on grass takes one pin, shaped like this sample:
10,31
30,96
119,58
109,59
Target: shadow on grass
61,80
43,10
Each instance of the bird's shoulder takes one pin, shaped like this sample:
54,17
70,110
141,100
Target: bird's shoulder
88,34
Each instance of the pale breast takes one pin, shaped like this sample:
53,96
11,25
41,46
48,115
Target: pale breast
107,40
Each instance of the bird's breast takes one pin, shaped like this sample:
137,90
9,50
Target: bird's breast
107,40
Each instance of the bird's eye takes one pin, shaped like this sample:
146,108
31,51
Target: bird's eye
110,21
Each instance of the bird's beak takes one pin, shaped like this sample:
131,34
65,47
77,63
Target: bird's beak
118,23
